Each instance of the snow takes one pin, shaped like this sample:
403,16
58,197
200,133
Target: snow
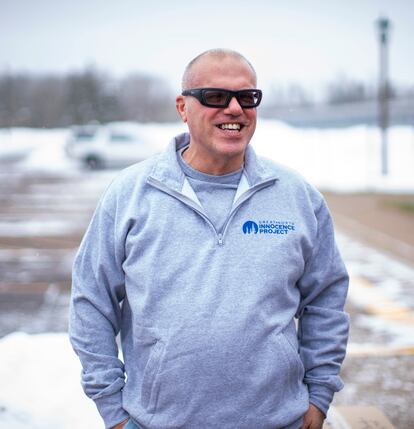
43,147
341,159
40,384
347,159
36,228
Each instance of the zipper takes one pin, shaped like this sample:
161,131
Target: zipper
189,202
244,197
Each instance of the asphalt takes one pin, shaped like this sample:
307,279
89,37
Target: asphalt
384,221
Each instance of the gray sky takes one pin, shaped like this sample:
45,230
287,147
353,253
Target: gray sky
305,41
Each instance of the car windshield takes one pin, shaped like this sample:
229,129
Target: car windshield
121,137
84,134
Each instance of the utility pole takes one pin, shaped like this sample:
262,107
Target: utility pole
383,91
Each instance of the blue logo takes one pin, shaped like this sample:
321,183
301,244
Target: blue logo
250,226
269,227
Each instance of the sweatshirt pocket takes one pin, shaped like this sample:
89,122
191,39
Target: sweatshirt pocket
204,376
150,374
281,395
291,349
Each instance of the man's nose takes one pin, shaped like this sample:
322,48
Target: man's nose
234,106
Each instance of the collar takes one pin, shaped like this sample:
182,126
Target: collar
168,171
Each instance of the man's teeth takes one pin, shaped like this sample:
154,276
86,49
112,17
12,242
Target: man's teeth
230,126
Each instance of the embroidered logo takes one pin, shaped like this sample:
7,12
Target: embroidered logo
250,226
274,227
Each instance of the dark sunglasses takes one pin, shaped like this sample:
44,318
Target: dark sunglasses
218,97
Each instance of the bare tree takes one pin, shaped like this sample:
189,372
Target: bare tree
346,90
145,98
81,97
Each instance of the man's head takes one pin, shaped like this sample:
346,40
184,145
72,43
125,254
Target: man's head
219,135
190,72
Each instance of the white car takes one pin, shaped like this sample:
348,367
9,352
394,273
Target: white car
107,146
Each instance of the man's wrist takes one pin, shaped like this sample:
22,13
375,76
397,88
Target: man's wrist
320,396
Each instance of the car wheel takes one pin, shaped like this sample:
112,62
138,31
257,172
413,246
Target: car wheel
93,162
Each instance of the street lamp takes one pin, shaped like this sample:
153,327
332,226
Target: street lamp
384,25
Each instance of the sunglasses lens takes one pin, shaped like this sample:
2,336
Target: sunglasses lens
249,98
215,97
212,97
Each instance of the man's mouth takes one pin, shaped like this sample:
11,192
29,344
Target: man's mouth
233,126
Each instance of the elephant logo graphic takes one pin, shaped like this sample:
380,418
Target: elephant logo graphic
250,226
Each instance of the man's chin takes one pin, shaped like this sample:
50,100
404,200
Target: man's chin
231,153
232,147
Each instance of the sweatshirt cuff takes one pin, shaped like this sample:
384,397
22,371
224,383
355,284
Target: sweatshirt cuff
320,396
110,409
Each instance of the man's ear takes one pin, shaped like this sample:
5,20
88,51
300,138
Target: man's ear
181,107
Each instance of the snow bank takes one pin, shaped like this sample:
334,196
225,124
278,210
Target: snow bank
346,159
13,148
43,148
40,386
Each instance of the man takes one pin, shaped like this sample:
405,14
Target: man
201,258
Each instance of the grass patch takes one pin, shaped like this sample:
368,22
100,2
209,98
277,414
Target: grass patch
405,206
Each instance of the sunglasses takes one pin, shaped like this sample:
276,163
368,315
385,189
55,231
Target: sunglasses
218,97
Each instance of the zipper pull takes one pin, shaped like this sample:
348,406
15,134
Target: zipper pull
220,239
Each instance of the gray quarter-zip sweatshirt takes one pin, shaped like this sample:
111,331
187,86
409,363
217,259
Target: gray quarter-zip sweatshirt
206,316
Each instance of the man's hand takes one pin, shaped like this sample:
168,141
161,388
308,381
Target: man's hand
313,418
121,425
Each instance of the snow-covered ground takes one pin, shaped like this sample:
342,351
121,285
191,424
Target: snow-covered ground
347,159
40,385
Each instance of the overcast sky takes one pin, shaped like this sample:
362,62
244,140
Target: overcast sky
305,41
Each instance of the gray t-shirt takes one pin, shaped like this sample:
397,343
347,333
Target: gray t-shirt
215,193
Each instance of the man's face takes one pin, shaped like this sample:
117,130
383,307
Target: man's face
210,143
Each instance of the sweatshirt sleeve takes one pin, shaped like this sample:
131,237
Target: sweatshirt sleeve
323,324
95,315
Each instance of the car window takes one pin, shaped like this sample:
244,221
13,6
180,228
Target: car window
121,138
84,135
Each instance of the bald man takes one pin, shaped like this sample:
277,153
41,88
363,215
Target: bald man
202,258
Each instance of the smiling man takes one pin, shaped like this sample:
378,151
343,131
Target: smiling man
202,258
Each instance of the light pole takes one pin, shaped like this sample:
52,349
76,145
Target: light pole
383,91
